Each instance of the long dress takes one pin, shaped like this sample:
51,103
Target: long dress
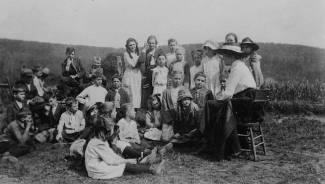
212,68
132,79
159,79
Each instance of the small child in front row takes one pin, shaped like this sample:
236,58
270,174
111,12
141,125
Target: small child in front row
128,128
153,116
160,75
169,105
72,122
186,127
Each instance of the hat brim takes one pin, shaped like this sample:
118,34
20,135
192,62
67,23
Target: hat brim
253,45
229,52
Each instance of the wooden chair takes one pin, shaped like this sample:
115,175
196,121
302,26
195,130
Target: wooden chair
251,126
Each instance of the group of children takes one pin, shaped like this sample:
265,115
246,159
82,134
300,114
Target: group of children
103,124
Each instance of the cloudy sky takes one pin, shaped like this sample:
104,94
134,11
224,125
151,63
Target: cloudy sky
111,22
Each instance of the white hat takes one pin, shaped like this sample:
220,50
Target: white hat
230,49
211,44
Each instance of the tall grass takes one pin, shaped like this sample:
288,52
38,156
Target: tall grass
302,90
292,97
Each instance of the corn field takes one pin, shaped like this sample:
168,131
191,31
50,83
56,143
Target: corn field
302,90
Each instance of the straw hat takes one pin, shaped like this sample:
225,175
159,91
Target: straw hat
248,41
211,44
230,50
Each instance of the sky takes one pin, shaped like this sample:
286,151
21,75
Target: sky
109,23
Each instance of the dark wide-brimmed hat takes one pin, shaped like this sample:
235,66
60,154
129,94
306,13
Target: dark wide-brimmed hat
248,41
230,50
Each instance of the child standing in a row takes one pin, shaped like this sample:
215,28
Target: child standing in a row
159,75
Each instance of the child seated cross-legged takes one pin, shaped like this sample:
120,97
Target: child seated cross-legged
128,128
71,123
103,163
18,140
186,127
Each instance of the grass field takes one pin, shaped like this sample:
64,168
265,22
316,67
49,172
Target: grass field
295,154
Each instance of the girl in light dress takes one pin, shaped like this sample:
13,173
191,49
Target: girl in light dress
159,75
132,76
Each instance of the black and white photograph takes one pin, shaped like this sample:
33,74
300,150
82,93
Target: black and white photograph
162,91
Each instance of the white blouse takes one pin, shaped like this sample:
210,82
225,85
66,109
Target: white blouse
240,78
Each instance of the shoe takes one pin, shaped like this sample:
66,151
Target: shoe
157,169
168,147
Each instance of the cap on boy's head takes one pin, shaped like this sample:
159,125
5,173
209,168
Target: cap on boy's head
26,72
117,76
97,61
200,74
183,94
23,114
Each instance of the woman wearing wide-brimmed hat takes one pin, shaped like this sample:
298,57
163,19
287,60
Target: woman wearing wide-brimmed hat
253,60
220,123
212,66
240,78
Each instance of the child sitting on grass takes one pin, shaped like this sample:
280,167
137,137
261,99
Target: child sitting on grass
186,127
153,116
128,128
169,105
72,122
103,163
18,140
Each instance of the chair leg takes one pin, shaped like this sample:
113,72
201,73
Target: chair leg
252,142
262,139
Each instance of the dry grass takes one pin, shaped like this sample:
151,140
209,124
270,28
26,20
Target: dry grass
295,155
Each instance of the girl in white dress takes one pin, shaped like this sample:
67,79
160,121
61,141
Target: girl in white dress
132,76
159,75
